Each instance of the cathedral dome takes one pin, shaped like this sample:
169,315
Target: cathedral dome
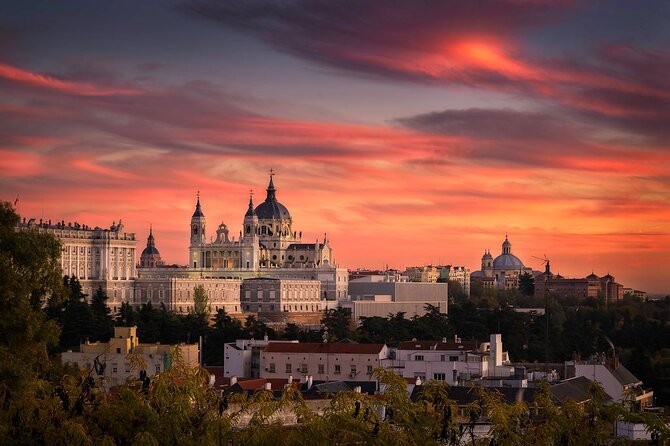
508,261
271,208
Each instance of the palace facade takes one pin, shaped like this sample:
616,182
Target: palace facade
268,246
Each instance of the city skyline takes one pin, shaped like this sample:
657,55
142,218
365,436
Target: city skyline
412,135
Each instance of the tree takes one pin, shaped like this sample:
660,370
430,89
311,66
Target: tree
456,291
103,324
337,321
30,273
527,284
127,316
257,329
76,318
200,302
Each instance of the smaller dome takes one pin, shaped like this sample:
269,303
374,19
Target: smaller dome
487,255
508,261
150,250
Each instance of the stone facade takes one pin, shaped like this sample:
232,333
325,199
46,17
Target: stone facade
98,257
266,294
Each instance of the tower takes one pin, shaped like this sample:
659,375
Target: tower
197,236
487,260
250,241
506,246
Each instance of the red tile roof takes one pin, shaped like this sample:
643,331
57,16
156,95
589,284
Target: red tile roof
317,347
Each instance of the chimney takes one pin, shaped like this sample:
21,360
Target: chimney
495,350
233,380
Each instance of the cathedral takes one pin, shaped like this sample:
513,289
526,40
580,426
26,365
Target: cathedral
267,241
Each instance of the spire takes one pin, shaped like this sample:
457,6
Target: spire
251,212
271,188
198,210
150,240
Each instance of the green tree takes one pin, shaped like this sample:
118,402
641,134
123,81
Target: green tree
127,316
103,324
526,284
200,302
30,273
338,322
76,317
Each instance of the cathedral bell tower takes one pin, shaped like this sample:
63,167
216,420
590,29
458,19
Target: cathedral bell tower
197,235
250,241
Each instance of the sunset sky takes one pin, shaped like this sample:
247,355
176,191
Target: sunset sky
411,132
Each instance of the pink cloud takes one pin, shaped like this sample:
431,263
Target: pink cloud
21,76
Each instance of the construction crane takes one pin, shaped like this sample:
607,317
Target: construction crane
547,272
545,262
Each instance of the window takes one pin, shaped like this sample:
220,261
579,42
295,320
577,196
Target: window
369,370
442,358
127,367
303,368
321,369
118,350
439,376
158,368
271,369
337,369
288,368
418,357
115,367
353,370
453,358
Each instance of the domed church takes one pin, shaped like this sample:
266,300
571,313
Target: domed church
502,272
267,240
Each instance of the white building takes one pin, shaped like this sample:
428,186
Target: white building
617,381
98,258
377,298
342,361
243,357
123,357
453,362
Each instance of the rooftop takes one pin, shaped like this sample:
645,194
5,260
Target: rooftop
317,347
